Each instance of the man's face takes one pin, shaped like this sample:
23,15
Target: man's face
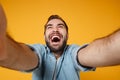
56,35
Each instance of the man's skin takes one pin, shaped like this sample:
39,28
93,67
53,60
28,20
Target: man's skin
101,52
14,55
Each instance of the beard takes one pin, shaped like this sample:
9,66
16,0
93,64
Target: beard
59,49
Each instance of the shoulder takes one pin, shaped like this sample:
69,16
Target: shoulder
37,45
74,48
39,48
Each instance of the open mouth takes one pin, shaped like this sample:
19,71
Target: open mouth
55,39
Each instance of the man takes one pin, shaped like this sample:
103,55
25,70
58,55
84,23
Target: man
56,60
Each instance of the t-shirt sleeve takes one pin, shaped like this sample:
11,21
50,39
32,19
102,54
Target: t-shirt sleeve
78,66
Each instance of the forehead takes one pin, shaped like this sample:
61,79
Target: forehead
55,21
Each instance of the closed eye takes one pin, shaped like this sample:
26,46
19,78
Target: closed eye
49,26
61,25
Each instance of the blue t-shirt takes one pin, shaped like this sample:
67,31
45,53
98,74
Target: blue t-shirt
65,68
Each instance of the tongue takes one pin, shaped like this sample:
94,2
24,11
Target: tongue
55,39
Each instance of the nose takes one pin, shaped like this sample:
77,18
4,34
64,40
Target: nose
55,29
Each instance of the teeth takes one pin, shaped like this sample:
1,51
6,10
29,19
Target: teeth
55,37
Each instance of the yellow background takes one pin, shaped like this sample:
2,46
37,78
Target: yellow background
87,20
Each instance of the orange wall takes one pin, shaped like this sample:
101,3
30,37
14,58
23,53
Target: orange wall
87,20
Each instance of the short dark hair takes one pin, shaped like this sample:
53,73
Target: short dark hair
55,17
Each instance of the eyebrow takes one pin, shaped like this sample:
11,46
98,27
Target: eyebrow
61,24
57,24
48,25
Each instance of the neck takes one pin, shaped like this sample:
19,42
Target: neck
57,54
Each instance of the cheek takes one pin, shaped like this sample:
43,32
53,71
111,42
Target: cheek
46,33
46,36
64,33
65,36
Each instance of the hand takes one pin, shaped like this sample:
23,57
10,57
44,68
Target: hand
3,22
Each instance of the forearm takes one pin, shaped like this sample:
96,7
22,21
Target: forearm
102,52
18,56
14,55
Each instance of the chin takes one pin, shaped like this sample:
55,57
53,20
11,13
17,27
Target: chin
56,48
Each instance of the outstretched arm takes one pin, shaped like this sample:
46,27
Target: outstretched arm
14,55
102,52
